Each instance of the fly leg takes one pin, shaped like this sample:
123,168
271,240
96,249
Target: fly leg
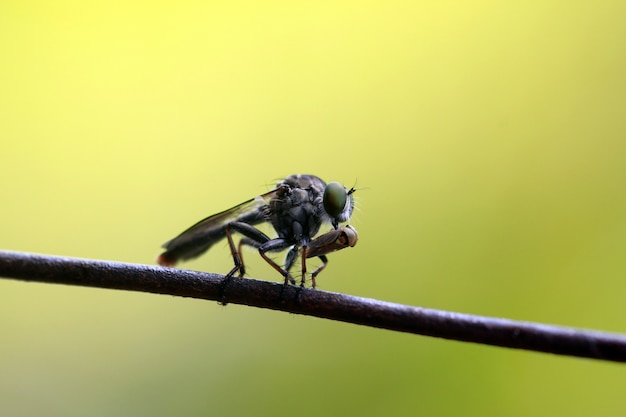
245,242
319,269
290,259
293,254
304,248
253,237
276,245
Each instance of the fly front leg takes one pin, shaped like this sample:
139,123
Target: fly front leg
319,269
306,253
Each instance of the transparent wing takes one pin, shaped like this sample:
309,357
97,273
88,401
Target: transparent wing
204,234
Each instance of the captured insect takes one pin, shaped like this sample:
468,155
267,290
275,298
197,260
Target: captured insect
296,209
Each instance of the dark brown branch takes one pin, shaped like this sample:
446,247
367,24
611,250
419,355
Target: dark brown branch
347,308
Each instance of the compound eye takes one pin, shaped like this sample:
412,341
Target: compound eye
335,197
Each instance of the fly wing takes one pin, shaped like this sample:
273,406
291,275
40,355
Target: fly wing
201,236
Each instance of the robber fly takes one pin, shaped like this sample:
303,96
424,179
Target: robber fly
296,209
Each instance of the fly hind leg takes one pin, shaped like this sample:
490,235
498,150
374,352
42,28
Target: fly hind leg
253,237
246,242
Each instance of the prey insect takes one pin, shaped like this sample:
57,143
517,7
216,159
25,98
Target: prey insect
296,209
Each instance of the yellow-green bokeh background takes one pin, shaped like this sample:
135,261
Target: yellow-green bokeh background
488,140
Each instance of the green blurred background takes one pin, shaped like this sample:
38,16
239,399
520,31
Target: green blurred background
487,140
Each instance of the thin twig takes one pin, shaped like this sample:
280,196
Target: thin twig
347,308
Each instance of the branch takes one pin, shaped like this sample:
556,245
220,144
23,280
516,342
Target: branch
334,306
